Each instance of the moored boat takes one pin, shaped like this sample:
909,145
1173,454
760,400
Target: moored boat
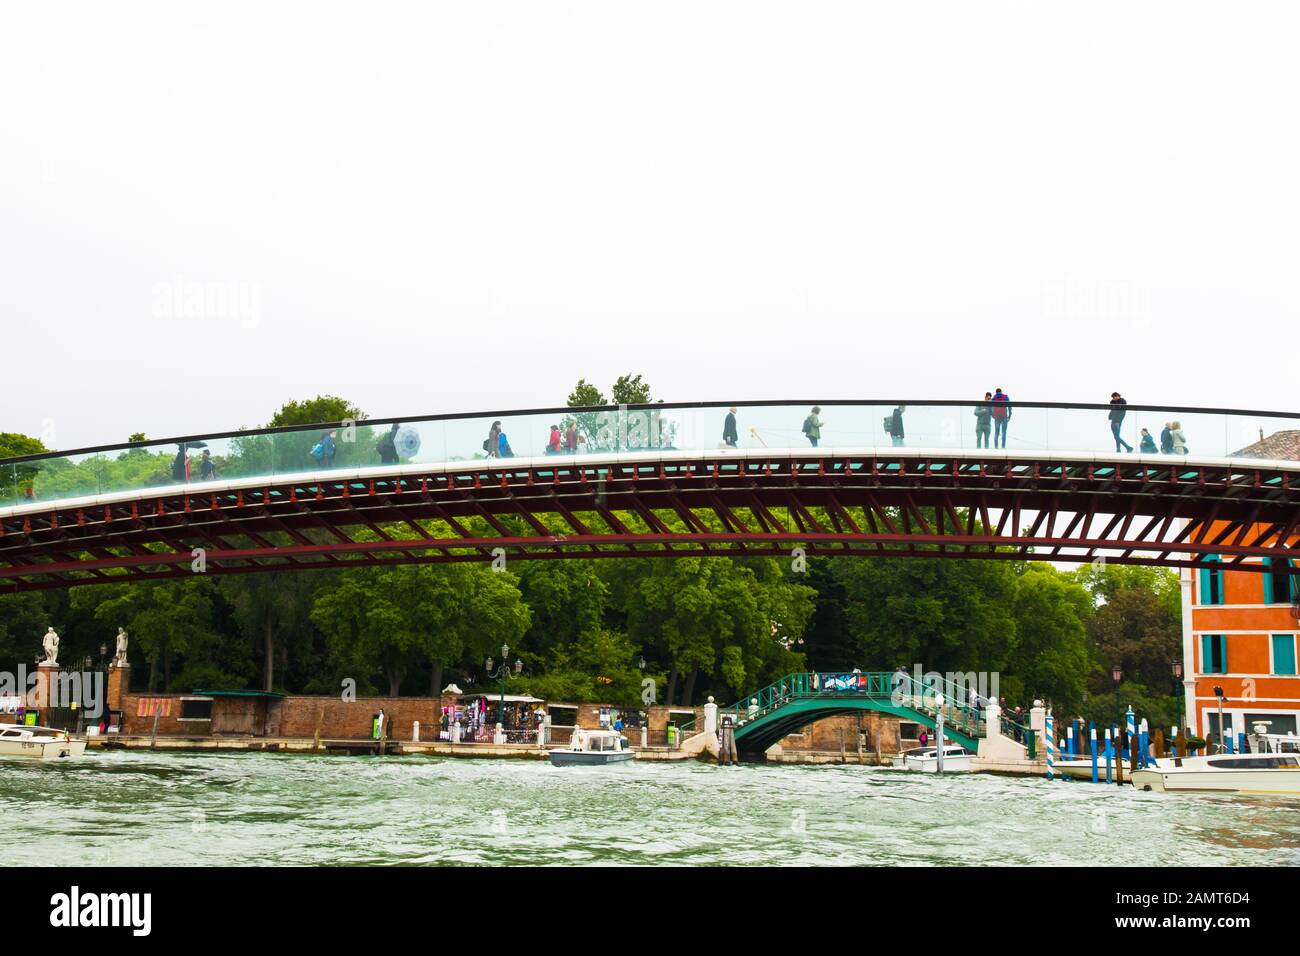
38,743
594,748
926,759
1271,766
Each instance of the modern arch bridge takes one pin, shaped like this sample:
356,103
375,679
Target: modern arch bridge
659,481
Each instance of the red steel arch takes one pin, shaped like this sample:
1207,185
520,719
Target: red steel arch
910,503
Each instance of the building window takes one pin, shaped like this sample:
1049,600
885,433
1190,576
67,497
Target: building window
196,708
1279,585
1211,586
1214,654
1284,654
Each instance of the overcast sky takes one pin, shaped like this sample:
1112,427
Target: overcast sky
207,209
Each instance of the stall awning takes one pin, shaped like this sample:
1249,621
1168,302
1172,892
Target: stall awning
271,695
509,698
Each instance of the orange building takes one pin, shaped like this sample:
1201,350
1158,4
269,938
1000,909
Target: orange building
1239,634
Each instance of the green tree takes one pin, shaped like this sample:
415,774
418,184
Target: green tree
585,395
733,623
273,609
1050,657
944,615
395,619
23,619
166,619
601,664
631,390
314,411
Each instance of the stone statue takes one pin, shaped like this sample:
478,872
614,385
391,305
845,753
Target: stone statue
51,645
120,657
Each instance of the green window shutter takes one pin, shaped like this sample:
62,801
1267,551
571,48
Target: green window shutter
1283,654
1203,587
1268,580
1214,654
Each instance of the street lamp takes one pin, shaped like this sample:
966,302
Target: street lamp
501,674
1218,692
1117,675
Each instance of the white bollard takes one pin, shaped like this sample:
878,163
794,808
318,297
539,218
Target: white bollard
415,732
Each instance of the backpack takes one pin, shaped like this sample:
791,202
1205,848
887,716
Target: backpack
386,446
486,443
888,424
318,451
807,425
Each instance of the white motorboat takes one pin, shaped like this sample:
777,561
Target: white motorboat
926,759
38,743
593,747
1271,766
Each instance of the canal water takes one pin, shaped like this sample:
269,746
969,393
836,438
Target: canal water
127,808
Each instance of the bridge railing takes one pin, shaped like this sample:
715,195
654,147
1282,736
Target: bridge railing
895,686
564,433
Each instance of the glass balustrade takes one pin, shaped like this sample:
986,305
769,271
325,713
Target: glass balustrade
1156,433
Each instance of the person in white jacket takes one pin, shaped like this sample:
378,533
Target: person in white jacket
1180,439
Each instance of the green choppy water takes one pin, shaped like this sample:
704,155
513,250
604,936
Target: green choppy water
130,808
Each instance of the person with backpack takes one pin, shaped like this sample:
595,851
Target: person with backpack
894,425
492,444
387,446
1167,439
1117,413
1148,444
554,442
729,435
812,426
324,450
983,421
1001,417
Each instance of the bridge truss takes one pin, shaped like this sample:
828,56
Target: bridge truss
988,505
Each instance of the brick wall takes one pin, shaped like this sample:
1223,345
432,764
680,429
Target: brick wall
826,734
334,718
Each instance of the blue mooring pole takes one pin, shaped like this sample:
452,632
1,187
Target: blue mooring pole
1092,733
1109,754
1051,743
1069,738
1143,743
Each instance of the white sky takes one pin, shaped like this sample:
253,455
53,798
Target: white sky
449,207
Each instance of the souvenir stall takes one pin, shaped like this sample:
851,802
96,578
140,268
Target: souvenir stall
477,714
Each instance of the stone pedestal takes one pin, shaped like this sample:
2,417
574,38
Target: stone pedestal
119,684
42,694
710,717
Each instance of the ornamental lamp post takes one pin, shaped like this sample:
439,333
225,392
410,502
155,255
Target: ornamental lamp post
1176,667
1117,675
500,675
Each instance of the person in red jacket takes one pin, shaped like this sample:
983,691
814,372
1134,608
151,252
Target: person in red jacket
553,443
1001,417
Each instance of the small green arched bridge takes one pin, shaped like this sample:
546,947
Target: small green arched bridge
761,719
